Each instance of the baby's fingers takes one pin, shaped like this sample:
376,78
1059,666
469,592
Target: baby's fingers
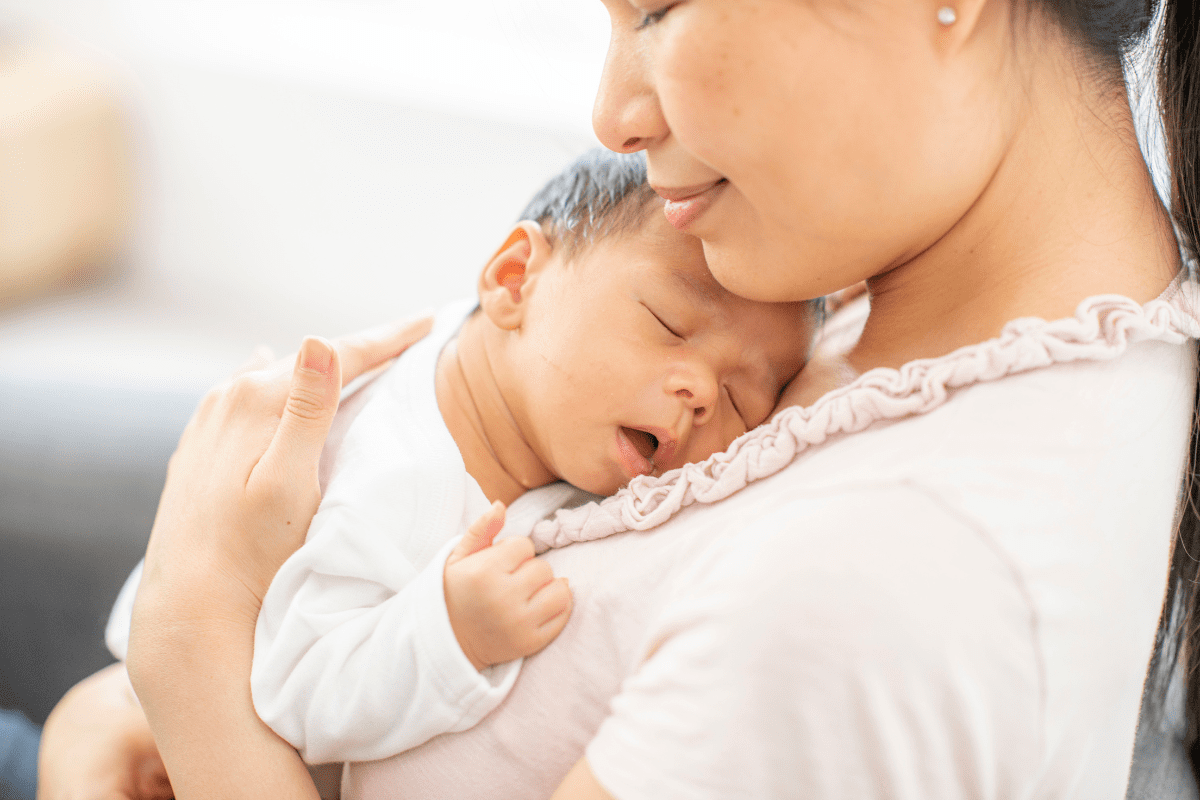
548,612
481,533
552,602
531,577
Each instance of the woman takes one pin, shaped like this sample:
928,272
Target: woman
940,580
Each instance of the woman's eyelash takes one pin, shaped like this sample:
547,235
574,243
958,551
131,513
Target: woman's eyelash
652,17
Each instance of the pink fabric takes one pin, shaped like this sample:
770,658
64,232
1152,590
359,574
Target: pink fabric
1103,327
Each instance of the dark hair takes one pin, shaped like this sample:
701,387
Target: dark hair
1107,28
1179,94
601,193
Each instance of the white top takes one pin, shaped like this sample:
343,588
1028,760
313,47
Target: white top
937,582
354,655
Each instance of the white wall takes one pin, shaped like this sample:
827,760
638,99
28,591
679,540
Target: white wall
316,165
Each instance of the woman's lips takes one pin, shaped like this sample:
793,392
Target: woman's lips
684,204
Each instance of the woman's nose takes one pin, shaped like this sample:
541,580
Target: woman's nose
626,115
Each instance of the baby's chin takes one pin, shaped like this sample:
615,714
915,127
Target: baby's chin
590,481
601,488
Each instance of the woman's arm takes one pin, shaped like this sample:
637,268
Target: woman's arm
240,492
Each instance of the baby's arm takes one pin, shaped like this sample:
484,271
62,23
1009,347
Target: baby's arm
354,655
357,655
503,603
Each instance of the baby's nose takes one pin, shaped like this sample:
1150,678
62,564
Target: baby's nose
702,401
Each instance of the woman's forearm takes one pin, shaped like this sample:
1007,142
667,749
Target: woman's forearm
211,741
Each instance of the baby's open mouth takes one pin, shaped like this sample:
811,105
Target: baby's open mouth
644,442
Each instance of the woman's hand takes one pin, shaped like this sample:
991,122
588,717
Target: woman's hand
241,491
242,486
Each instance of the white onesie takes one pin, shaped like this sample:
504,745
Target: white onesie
354,655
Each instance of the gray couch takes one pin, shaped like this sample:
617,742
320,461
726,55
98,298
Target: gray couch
81,468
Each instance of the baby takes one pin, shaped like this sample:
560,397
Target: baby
600,349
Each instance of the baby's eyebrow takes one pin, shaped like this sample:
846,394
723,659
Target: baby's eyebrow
701,293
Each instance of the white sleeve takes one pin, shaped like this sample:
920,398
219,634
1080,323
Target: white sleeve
349,668
116,632
885,651
354,656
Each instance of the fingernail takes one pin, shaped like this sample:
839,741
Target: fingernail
316,354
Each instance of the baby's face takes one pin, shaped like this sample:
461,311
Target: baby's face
636,361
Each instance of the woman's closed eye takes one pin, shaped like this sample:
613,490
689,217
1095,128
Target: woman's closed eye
651,18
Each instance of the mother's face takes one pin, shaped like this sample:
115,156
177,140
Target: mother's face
839,137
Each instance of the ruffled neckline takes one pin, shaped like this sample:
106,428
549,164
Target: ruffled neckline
1103,328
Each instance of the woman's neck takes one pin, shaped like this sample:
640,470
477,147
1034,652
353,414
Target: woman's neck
1071,212
478,416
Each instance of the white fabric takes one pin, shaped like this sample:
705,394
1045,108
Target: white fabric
116,631
951,593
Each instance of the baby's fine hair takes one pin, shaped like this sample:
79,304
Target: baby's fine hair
601,193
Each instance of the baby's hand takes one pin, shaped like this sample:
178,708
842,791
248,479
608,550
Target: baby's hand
504,603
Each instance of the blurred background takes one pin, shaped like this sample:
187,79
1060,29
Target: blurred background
272,167
182,180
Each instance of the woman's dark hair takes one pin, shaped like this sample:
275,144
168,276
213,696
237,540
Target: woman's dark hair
1109,27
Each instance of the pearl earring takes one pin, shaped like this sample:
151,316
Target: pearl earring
946,15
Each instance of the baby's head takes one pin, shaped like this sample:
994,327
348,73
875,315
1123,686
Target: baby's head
617,351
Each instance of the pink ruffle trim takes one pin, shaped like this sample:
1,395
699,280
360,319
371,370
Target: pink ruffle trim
1103,328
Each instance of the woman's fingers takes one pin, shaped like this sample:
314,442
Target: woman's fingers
312,400
363,352
319,372
242,486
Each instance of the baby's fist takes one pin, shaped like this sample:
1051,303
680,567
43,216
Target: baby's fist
503,602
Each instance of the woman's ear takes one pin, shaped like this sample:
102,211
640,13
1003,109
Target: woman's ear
510,276
952,22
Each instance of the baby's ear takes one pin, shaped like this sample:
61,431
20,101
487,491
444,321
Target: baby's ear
510,277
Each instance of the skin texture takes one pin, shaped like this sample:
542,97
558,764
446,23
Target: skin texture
970,174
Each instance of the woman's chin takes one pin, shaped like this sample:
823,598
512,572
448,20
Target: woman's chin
761,274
